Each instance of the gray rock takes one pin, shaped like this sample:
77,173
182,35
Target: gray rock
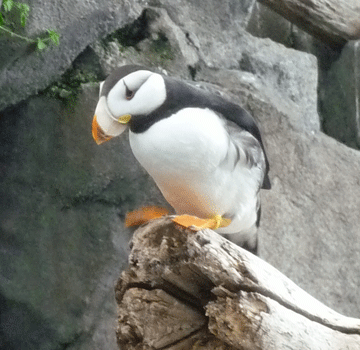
82,22
165,46
63,240
286,76
294,74
266,23
338,72
339,97
79,24
310,223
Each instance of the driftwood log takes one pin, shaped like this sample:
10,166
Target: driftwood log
332,21
187,290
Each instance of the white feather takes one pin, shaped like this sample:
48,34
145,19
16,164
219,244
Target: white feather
150,93
106,121
186,154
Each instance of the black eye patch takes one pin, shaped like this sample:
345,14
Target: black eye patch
117,75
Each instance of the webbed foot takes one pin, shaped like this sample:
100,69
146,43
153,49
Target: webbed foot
143,215
196,224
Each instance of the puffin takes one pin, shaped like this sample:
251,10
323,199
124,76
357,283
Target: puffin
204,152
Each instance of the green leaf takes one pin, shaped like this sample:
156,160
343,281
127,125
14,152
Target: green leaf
40,44
24,12
23,20
54,36
8,5
24,8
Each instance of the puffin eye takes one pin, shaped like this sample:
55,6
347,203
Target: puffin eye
129,94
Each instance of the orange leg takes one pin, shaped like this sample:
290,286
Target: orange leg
143,215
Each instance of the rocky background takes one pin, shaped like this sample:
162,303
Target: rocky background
63,198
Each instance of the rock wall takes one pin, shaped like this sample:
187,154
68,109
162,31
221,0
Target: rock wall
63,198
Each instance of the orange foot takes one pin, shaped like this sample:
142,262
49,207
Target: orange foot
143,215
196,224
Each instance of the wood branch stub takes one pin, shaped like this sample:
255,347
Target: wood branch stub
159,310
332,21
186,290
234,320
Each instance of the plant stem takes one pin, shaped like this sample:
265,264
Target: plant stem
17,35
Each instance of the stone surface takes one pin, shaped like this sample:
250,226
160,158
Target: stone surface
339,101
162,44
79,23
62,242
338,73
322,19
294,74
266,23
62,234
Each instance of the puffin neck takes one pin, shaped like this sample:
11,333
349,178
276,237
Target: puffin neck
178,96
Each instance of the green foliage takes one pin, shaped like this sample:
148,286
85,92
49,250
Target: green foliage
8,4
14,13
54,36
24,12
161,47
40,44
69,86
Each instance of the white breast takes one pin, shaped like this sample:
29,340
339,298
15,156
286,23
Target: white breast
183,154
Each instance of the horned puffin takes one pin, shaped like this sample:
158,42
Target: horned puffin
204,152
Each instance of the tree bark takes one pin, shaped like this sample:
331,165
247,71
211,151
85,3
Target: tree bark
187,290
332,21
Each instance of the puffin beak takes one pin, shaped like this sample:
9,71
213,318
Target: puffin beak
104,125
98,134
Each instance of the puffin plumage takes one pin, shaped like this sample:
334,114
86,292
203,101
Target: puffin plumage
204,152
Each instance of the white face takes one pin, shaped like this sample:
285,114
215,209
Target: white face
138,93
148,90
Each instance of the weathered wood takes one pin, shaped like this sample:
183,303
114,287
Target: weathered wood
332,21
159,310
186,290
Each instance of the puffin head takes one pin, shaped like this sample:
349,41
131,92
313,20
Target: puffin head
128,92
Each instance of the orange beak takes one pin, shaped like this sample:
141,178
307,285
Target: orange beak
98,134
